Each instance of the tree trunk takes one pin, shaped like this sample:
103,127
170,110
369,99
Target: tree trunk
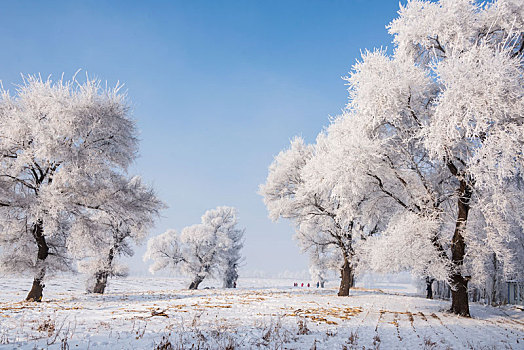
35,294
494,281
459,283
196,282
459,295
429,288
347,280
230,276
101,276
101,282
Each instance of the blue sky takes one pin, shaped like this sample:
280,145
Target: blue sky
217,88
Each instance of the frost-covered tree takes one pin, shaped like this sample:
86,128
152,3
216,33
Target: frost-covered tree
440,124
473,51
118,213
380,169
224,221
200,248
54,135
294,190
165,251
209,248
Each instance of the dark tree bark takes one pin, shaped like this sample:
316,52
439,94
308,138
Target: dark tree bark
494,281
347,279
196,282
101,276
459,295
459,283
35,294
429,287
101,282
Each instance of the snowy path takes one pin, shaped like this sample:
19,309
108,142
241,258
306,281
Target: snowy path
138,313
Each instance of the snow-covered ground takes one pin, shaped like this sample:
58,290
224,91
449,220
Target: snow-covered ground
151,313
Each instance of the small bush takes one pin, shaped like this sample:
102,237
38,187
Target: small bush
376,341
302,327
353,338
165,344
47,326
429,344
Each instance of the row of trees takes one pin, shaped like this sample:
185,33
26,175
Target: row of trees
65,148
423,170
67,203
210,248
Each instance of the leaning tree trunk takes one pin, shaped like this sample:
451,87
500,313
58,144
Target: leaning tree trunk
35,294
196,282
101,276
459,283
347,280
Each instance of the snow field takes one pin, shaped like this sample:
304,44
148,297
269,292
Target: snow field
146,313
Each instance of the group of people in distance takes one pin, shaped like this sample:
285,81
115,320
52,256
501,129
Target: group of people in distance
308,285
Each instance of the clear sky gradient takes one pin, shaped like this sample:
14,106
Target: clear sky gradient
217,88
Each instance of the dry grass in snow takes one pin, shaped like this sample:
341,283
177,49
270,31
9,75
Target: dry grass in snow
144,313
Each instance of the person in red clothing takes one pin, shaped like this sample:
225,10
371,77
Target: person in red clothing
302,285
308,285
